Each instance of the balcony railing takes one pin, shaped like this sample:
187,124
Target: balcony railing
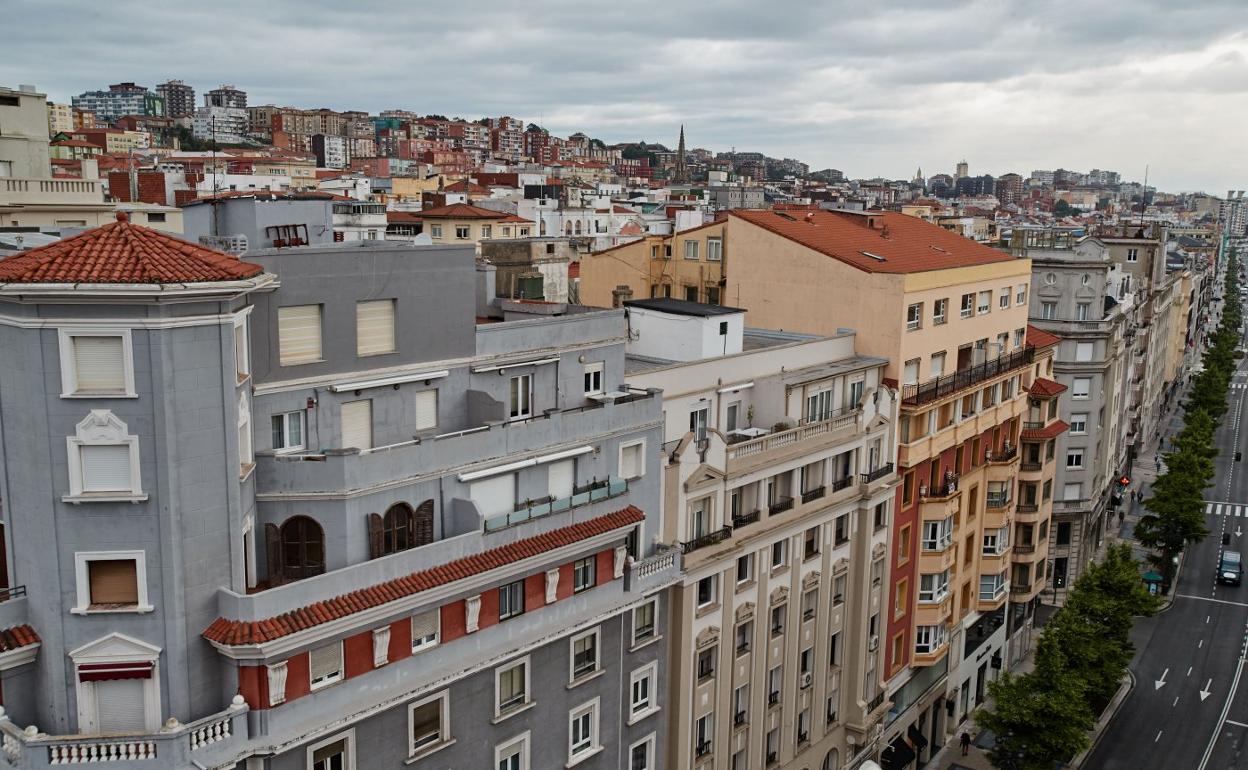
998,501
742,519
808,429
943,490
13,592
814,494
1028,508
878,473
1032,425
1020,588
844,483
590,493
780,505
653,571
1026,466
1024,547
710,538
938,387
1003,456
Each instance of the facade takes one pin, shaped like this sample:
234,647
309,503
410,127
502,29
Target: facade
60,119
530,268
251,221
226,96
224,125
358,220
331,151
687,265
778,486
24,141
179,98
120,99
321,538
737,197
463,223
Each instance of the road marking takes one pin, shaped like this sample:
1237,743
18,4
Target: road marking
1207,599
1158,736
1189,671
1226,709
1176,702
1200,644
1237,724
1160,683
1205,693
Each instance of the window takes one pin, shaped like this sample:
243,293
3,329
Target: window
698,421
834,649
246,457
374,327
325,665
1020,335
968,305
435,231
991,586
745,568
288,431
641,755
703,733
1003,301
511,686
706,663
513,755
583,574
914,316
1133,255
96,364
744,633
1083,351
1074,459
985,302
462,232
938,364
511,600
584,654
774,683
298,334
357,424
928,639
803,727
691,249
910,374
777,619
1081,311
772,746
806,664
643,621
583,731
714,249
429,723
937,535
1020,294
1048,310
593,378
1079,422
1081,387
819,405
521,397
111,581
632,460
103,460
1072,492
810,543
641,691
425,630
940,309
934,587
333,754
839,583
691,293
841,529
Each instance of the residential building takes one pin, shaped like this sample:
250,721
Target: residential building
331,523
687,265
730,196
223,125
179,98
1009,189
120,99
358,220
60,119
226,96
463,223
778,487
24,141
530,268
114,141
331,151
243,221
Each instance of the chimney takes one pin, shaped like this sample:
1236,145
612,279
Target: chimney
26,89
621,294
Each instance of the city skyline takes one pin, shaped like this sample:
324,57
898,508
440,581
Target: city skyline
829,89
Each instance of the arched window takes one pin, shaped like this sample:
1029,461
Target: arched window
832,760
396,529
302,549
400,528
578,227
567,228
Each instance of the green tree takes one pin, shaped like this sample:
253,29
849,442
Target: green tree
1039,718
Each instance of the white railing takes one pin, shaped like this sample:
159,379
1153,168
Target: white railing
216,730
82,752
12,747
792,436
655,564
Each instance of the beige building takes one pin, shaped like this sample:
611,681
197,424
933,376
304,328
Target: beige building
687,265
24,140
778,487
60,119
463,223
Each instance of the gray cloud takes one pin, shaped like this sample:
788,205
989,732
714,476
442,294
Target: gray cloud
873,89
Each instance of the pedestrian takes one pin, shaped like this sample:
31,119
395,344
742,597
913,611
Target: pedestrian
965,740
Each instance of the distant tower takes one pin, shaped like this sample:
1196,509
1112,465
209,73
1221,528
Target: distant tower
680,174
918,176
963,170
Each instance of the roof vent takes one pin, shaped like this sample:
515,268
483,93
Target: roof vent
876,257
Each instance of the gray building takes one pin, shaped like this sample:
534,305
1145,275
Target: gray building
119,100
242,222
737,197
179,98
306,511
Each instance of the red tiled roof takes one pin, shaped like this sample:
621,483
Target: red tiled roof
1040,338
120,252
1046,388
1052,430
468,187
514,218
238,632
905,244
403,216
16,637
461,211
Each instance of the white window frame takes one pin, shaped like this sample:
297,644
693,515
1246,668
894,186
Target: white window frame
940,311
83,582
444,726
314,685
939,590
110,649
525,412
1003,298
641,459
466,231
302,417
649,743
573,677
69,373
714,583
590,708
1079,423
588,580
1076,454
714,249
983,305
348,735
435,231
650,674
1074,389
1133,255
424,643
1048,310
246,447
1020,294
654,623
242,346
595,372
487,231
320,336
508,748
367,303
966,309
102,428
691,249
914,316
499,709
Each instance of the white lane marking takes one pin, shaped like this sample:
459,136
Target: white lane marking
1226,709
1208,507
1189,671
1200,644
1176,702
1207,599
1217,510
1158,736
1237,724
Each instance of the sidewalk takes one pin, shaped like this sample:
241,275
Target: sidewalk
950,756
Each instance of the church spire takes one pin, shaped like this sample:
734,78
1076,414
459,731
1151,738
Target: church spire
680,173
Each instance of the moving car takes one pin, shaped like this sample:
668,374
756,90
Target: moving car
1230,568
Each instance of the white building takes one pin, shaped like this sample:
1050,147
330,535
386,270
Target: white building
225,125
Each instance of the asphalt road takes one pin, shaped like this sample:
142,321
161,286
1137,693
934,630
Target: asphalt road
1189,707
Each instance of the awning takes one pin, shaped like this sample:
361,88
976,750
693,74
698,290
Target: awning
916,735
98,672
897,756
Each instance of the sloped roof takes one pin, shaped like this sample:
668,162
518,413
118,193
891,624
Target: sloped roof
461,211
897,243
1052,430
1044,388
120,252
238,632
1039,338
17,637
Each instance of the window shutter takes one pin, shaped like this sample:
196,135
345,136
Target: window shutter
562,477
495,496
424,625
273,553
357,424
374,535
426,409
100,364
113,581
422,524
322,757
299,334
106,468
374,327
325,661
119,705
630,465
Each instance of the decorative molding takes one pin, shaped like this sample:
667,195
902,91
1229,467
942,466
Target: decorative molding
745,611
878,550
708,637
840,565
381,646
552,585
277,683
810,580
780,595
472,610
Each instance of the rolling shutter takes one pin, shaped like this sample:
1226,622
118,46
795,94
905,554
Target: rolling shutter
357,424
562,477
325,662
426,409
113,581
106,468
299,334
374,327
630,461
495,496
99,363
119,705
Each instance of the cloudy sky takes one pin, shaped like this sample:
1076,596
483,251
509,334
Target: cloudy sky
872,88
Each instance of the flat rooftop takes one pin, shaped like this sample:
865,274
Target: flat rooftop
752,339
682,307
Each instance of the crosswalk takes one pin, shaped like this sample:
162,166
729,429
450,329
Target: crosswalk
1239,385
1226,509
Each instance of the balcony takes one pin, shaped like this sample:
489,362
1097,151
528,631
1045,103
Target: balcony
876,474
1030,467
710,538
653,571
997,502
1024,548
745,519
218,740
781,504
1027,508
590,493
58,192
939,387
805,438
811,495
1020,589
1006,455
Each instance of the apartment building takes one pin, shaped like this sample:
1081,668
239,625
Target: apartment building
311,514
463,223
60,119
120,99
687,265
179,98
226,96
778,485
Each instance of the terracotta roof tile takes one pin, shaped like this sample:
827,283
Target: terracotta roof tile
461,211
120,252
16,637
1046,388
1052,430
904,244
1040,338
238,632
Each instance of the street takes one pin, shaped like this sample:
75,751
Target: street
1189,705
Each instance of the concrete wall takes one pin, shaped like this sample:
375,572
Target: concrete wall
250,217
24,133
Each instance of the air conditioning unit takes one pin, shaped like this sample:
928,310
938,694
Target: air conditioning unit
873,644
806,679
